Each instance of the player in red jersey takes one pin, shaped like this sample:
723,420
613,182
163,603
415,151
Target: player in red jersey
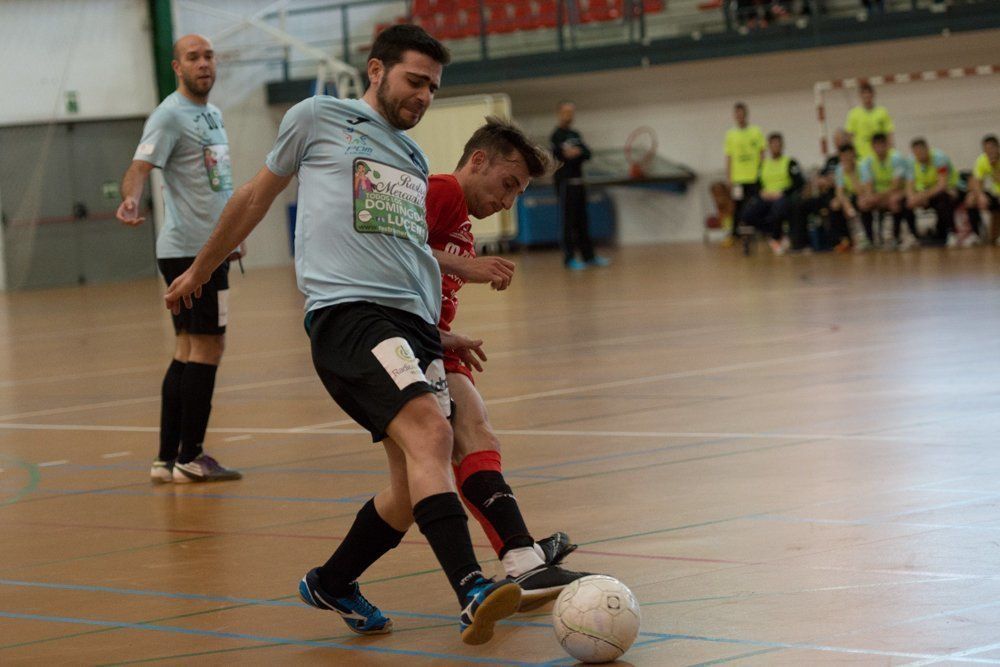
496,166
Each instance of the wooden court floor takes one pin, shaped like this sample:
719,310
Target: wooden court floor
791,461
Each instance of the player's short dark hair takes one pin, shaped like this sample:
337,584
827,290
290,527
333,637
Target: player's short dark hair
776,135
991,139
740,105
846,148
880,137
393,42
866,87
918,141
500,137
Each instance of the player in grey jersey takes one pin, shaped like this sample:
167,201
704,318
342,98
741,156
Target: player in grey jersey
373,298
186,139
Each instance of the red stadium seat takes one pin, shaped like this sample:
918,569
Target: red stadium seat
548,14
601,10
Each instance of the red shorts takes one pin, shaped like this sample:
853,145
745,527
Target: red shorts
452,364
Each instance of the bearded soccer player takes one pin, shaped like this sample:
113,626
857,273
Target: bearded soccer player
373,301
186,139
496,166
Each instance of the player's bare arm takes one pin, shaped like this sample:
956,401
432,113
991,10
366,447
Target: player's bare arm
497,271
132,184
241,215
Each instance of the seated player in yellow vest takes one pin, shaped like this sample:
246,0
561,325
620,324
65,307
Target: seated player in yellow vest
984,190
844,206
780,182
933,184
883,189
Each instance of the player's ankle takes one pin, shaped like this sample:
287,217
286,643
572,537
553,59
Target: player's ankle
518,561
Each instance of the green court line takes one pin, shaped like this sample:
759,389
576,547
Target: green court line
34,477
237,649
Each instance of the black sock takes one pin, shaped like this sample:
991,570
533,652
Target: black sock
369,538
488,492
443,522
197,386
170,411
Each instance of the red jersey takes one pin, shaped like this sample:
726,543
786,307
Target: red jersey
449,230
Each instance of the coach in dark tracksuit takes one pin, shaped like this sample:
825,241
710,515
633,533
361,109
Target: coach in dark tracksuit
569,149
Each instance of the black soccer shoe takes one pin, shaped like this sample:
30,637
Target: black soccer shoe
543,584
556,547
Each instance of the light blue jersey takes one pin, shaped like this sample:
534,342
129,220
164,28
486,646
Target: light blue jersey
188,142
881,174
361,228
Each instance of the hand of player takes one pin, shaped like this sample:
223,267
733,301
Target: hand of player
850,212
128,212
572,152
182,288
496,271
467,349
239,253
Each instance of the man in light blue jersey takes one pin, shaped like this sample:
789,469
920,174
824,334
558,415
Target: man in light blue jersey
373,299
186,139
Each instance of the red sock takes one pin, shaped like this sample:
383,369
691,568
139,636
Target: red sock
490,500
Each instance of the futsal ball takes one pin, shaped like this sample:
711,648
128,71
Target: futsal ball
596,618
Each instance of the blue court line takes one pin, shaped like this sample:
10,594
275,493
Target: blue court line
264,603
213,496
261,639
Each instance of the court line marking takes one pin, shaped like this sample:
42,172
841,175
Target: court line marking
238,438
364,648
628,382
127,370
115,455
153,399
49,464
205,496
320,429
957,655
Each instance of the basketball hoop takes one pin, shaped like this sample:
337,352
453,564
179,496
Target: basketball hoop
640,149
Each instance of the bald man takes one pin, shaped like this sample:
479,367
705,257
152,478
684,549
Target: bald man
186,139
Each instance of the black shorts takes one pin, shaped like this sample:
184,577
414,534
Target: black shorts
208,314
373,360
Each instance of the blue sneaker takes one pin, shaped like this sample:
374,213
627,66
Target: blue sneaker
599,261
575,265
360,615
488,602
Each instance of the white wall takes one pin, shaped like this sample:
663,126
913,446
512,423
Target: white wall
689,106
100,48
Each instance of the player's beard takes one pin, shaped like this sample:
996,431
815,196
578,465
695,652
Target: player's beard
198,87
391,107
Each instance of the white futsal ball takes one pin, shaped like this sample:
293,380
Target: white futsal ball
596,618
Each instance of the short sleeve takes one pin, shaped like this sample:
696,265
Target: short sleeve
865,173
902,168
851,125
982,168
159,136
444,209
759,137
293,139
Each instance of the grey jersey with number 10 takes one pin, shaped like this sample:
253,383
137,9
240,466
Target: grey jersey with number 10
361,228
188,142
